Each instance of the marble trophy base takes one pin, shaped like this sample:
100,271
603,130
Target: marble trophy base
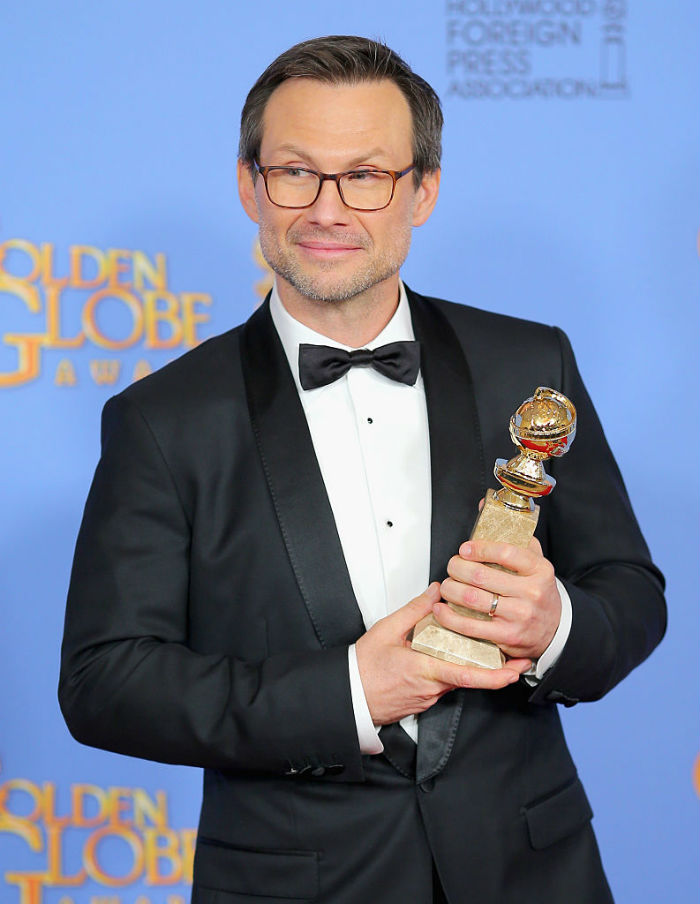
495,522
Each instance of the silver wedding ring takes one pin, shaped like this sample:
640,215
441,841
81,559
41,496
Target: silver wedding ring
494,603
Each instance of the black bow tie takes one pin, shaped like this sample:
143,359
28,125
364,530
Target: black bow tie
322,364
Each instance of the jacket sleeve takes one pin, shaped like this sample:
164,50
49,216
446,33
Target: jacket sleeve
593,539
129,682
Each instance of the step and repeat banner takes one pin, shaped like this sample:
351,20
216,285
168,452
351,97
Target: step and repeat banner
570,195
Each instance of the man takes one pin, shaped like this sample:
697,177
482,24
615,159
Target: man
266,516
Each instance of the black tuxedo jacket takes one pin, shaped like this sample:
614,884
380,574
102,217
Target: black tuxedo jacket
210,611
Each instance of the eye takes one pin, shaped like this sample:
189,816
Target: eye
364,176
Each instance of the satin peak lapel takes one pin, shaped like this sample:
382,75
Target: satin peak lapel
458,481
296,485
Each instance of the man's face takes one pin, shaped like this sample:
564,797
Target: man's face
328,251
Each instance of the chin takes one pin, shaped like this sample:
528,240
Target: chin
331,286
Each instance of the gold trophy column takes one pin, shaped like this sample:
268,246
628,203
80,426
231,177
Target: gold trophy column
543,427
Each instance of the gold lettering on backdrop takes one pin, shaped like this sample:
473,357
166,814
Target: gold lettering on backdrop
65,373
105,372
141,369
78,305
75,842
27,346
118,264
162,309
78,255
155,273
54,339
29,885
190,316
99,337
27,248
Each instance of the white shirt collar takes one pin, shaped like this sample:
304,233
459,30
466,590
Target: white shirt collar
292,333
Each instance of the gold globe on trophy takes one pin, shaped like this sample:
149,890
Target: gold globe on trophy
543,427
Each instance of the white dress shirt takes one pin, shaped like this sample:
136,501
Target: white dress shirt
371,439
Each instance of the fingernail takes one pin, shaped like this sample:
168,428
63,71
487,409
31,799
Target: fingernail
513,679
465,549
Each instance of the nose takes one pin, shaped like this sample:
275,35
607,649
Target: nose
328,209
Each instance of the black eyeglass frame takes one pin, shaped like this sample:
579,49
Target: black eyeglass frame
333,177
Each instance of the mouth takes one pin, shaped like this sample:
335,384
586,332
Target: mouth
327,250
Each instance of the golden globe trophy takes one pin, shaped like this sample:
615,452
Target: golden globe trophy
543,427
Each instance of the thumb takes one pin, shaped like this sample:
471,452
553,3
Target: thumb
407,616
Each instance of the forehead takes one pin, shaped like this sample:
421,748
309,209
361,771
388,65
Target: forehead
338,122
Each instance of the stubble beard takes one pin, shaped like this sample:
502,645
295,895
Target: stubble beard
311,284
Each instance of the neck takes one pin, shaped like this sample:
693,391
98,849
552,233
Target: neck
353,322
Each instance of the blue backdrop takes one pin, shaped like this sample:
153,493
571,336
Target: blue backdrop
570,195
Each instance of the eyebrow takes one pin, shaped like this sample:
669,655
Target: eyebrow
355,161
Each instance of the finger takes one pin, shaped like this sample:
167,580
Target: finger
453,675
475,598
535,547
406,618
520,665
514,558
499,631
483,577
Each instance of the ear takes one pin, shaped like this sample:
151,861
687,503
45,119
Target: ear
246,190
426,197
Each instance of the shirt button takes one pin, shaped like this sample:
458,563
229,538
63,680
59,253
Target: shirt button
370,420
390,524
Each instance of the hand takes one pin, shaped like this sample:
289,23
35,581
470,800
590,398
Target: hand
529,606
399,681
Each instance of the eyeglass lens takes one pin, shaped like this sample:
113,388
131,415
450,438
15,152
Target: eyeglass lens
363,190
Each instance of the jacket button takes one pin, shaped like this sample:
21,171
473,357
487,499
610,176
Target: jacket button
318,771
335,769
427,785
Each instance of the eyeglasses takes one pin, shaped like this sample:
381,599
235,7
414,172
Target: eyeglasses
295,187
